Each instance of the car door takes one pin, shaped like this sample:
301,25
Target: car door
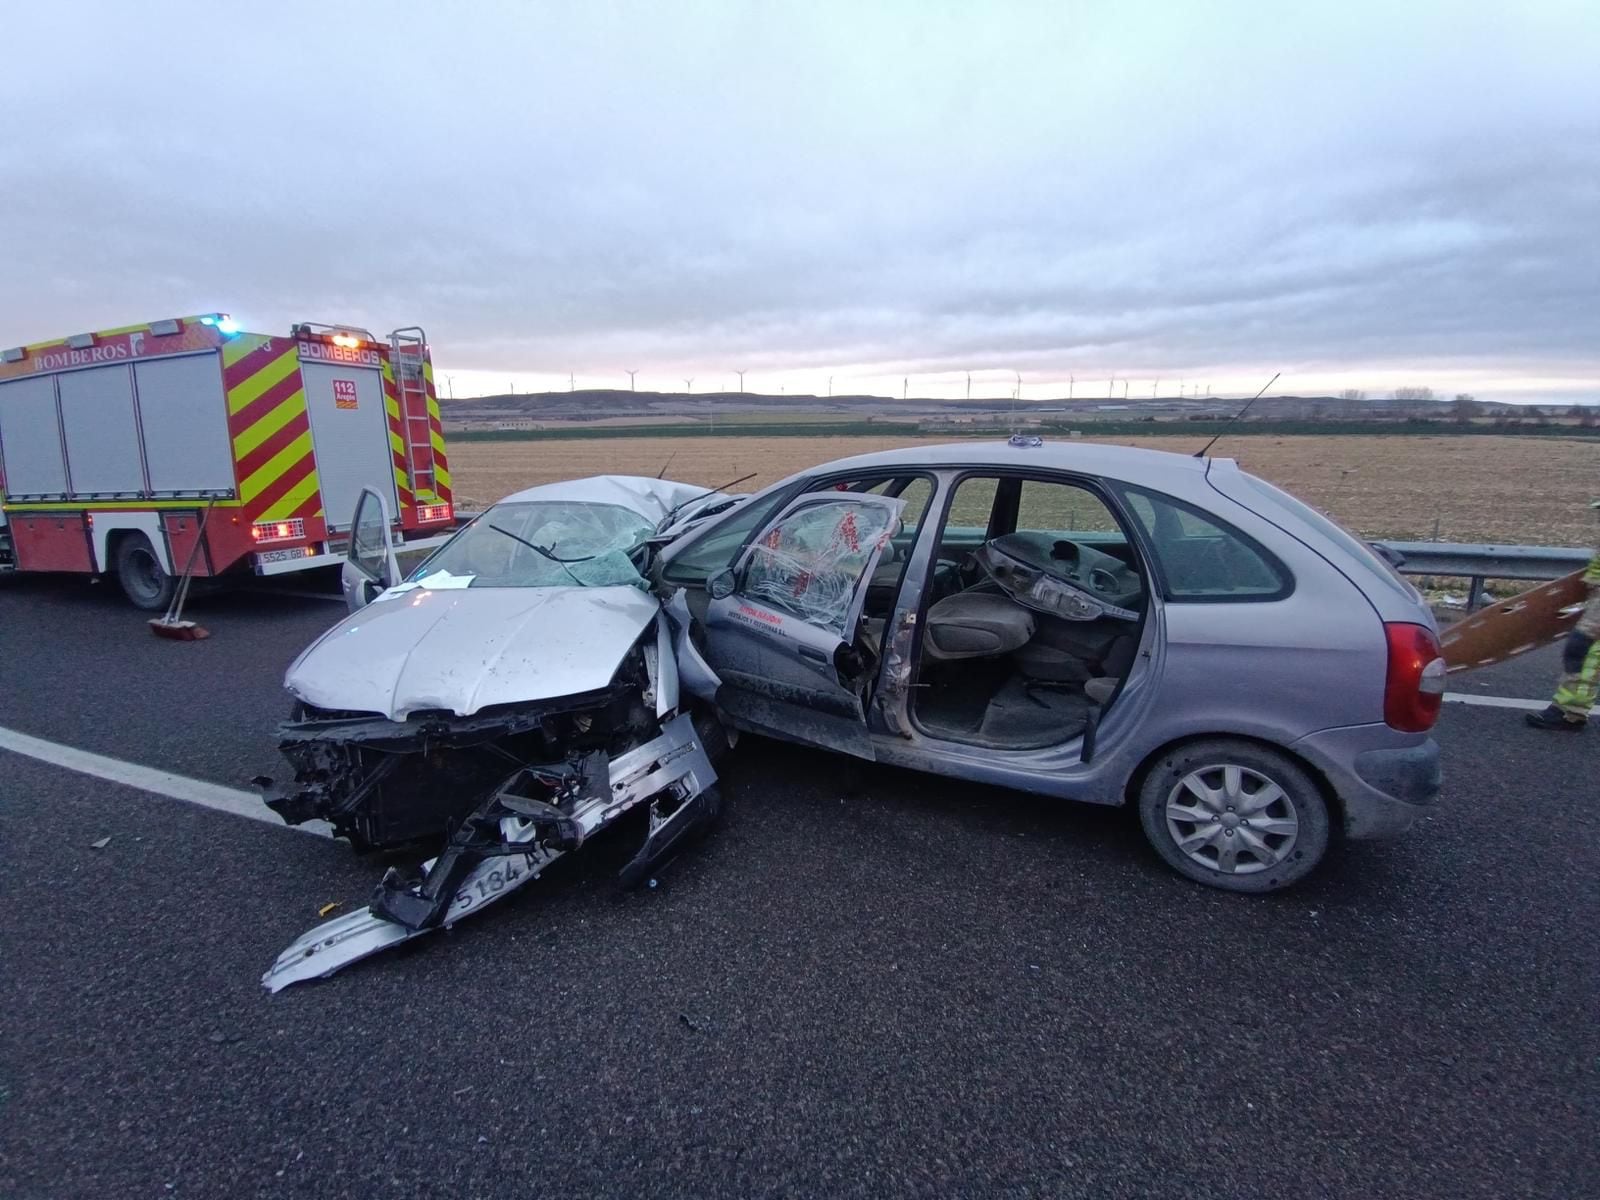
782,625
370,565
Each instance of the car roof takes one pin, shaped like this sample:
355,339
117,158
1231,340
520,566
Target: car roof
651,498
1130,464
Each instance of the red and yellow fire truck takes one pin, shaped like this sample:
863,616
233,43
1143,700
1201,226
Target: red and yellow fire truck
114,446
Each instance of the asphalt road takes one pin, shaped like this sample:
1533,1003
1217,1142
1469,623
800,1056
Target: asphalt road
865,983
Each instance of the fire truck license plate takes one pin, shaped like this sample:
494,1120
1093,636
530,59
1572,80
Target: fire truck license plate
276,556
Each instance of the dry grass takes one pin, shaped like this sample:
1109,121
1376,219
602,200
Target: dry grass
1472,489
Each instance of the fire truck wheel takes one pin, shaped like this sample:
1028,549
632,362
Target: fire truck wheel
144,580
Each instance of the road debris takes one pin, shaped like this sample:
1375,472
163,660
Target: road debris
101,844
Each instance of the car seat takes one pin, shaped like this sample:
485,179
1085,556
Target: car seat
975,625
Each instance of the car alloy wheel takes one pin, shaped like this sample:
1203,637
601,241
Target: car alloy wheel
1234,814
1231,819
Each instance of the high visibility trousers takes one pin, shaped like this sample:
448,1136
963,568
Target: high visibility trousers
1580,663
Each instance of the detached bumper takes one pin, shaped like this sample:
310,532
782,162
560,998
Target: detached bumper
1382,788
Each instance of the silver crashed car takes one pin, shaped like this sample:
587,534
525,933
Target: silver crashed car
1107,625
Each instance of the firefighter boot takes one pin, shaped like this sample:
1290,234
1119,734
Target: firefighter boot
1555,718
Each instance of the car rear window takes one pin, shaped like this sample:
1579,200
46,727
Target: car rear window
1201,557
1336,533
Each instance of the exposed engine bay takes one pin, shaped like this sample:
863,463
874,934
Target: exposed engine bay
511,834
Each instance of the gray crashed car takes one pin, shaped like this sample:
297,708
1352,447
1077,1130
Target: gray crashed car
1108,625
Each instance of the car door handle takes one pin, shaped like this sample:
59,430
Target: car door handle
814,654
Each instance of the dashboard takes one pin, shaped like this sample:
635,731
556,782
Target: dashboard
1031,567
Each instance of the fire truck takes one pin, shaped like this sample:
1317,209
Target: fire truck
188,443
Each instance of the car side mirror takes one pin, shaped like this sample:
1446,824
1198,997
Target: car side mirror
721,584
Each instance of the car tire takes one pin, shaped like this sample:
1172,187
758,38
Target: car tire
1234,815
144,580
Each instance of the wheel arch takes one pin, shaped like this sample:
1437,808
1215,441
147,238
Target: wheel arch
112,528
1330,796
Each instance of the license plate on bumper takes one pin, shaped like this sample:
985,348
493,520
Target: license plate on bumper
264,557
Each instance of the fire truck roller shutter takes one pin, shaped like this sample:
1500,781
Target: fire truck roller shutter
102,435
350,436
185,419
30,438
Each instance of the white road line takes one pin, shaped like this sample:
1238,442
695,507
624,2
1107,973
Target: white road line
148,779
1502,702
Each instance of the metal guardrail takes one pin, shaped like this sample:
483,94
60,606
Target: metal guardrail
1480,561
1486,561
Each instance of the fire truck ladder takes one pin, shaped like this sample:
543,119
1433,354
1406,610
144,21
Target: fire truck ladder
409,349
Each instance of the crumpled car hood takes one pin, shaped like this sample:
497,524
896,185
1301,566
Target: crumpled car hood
465,649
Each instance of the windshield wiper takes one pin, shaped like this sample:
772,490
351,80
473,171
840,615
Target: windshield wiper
666,521
547,552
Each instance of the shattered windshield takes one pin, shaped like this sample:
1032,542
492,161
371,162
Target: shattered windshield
550,543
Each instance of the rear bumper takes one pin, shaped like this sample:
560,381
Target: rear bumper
1382,789
330,554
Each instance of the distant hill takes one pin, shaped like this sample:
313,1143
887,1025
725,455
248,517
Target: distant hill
528,410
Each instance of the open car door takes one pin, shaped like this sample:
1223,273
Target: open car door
783,626
370,565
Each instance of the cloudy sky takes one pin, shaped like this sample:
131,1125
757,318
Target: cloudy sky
1358,194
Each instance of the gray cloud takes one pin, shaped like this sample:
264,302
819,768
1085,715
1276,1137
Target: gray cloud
880,188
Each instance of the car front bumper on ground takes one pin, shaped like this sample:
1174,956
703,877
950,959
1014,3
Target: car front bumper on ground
1384,780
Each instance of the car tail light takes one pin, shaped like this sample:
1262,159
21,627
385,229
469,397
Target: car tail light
1414,689
278,531
433,512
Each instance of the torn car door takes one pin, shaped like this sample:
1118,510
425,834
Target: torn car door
783,625
370,565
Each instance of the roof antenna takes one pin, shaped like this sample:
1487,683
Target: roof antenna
1238,416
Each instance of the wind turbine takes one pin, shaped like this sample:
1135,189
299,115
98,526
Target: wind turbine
450,383
969,385
688,385
631,374
572,382
740,374
1072,383
1124,389
830,387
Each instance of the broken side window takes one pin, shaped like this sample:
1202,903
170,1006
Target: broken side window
808,564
